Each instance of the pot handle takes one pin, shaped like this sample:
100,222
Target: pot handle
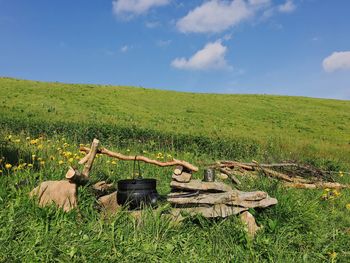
133,172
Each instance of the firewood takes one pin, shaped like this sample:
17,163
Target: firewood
249,220
182,178
195,185
178,169
317,185
219,210
143,159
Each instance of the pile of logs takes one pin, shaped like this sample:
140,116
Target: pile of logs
291,174
214,199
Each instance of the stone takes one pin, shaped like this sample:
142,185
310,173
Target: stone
196,185
61,193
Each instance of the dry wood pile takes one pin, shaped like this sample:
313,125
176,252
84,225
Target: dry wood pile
214,199
291,174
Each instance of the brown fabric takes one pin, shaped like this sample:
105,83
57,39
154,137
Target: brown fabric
62,193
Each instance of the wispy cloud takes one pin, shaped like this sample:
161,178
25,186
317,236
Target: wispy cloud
212,56
287,7
337,61
136,7
125,48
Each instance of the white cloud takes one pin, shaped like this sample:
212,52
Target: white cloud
287,7
214,16
212,56
259,2
337,61
135,7
125,48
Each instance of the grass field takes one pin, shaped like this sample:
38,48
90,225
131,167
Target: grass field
42,125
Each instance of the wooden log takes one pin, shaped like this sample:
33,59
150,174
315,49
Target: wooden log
317,185
109,203
266,202
219,210
143,159
91,158
249,220
178,170
211,198
236,198
182,178
232,164
198,185
228,172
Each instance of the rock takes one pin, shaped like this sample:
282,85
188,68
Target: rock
249,220
195,185
219,210
222,176
109,203
62,193
182,178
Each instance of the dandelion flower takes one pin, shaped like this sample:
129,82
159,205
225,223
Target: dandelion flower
347,206
70,160
30,165
42,163
60,162
8,166
341,174
0,171
114,162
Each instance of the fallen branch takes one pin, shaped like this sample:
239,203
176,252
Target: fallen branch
123,157
317,185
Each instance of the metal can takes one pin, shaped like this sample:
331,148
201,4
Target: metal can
209,175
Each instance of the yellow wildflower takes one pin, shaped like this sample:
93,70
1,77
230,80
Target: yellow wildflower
60,162
40,146
42,163
17,141
114,162
30,165
8,166
347,206
341,174
333,255
128,150
70,160
33,156
40,159
28,138
33,142
0,171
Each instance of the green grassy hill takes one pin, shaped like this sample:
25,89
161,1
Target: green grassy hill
288,127
42,125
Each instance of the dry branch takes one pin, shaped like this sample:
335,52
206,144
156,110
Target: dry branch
143,159
317,185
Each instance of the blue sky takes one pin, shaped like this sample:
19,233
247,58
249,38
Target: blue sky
288,47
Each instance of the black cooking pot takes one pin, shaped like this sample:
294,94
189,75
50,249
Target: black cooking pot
137,193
